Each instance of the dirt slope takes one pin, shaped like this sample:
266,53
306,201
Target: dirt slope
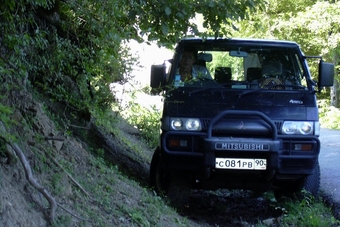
87,192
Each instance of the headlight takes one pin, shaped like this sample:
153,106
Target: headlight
189,124
193,124
298,128
176,124
306,128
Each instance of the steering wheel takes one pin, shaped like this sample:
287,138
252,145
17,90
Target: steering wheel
272,83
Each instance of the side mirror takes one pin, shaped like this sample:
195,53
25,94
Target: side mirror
157,78
326,75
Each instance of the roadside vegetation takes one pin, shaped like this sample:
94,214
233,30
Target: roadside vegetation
329,115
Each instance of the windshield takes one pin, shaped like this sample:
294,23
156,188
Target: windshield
238,67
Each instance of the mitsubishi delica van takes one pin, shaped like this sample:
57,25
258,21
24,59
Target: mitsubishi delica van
238,114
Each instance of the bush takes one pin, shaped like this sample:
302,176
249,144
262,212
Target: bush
329,115
144,117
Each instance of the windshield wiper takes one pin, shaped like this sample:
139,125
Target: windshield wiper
202,89
210,85
249,91
271,88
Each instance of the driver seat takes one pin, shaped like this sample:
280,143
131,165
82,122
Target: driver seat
223,75
254,74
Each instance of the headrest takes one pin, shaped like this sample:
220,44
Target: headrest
254,73
272,68
223,74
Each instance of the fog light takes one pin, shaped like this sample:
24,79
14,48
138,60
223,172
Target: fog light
174,143
303,147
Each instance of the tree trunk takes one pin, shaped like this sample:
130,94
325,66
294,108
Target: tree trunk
334,94
335,101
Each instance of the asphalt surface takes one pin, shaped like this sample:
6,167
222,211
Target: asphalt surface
329,160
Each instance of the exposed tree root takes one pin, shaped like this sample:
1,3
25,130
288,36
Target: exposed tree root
34,183
80,218
30,178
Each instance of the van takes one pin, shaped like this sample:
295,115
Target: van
246,118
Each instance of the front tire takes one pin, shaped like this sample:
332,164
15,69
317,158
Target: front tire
298,189
175,185
159,179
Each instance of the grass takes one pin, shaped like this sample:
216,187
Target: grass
116,200
308,212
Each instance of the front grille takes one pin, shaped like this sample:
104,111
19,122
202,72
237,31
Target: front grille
278,125
205,124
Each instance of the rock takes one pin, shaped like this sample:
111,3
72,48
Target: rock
269,221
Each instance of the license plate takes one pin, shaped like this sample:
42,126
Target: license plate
241,163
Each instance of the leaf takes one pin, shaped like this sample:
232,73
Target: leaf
167,11
165,29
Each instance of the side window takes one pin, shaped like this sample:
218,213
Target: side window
284,66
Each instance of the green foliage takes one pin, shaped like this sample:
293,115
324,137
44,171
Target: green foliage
171,20
329,115
5,113
73,50
5,119
146,119
57,184
69,51
225,59
308,212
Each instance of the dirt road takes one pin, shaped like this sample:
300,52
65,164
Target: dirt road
330,167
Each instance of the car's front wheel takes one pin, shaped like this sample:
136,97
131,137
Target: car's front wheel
175,185
159,178
309,184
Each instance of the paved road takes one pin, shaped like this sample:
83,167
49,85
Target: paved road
329,159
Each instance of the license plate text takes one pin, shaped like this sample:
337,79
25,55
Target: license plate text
241,163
